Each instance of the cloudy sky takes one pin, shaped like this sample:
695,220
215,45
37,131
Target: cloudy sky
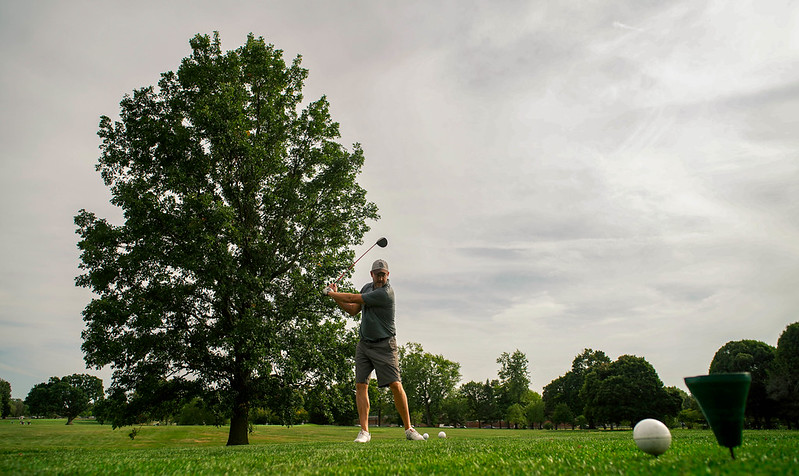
552,176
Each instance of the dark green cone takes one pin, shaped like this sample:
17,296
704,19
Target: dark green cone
722,398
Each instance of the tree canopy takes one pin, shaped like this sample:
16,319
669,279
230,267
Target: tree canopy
627,389
514,376
5,398
534,411
783,386
69,396
566,388
480,401
238,205
428,379
754,357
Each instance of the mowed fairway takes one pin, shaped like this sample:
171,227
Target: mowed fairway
50,447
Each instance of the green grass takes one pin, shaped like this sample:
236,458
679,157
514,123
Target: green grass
50,447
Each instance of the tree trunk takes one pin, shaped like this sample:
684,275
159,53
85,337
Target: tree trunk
239,428
427,414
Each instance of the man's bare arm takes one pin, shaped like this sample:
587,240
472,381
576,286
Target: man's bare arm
349,302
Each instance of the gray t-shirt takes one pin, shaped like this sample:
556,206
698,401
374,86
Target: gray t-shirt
377,315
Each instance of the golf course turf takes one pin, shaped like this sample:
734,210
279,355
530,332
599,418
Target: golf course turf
50,447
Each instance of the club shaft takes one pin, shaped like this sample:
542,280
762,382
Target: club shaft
354,263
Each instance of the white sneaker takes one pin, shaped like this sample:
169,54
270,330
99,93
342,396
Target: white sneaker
414,435
363,437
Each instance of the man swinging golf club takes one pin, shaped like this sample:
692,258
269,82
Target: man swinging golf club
377,349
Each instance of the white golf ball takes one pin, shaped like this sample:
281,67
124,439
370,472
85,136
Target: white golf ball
441,434
426,436
652,436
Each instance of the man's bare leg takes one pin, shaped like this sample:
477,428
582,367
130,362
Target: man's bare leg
362,402
401,402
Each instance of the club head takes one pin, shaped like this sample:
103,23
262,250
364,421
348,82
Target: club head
382,242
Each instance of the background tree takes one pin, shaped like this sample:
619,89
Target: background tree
558,391
196,413
754,357
69,397
470,393
563,415
676,403
514,376
79,393
534,411
238,207
490,409
133,409
690,413
587,360
514,415
39,401
627,389
5,398
580,421
381,401
595,410
480,401
456,409
428,379
18,408
783,383
566,389
332,404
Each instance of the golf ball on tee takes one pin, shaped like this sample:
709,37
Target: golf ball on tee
441,434
652,436
426,436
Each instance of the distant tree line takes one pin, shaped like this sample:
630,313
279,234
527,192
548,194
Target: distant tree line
595,392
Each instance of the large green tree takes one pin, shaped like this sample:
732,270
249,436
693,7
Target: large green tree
456,409
239,204
480,401
5,398
566,388
428,379
18,408
514,377
783,385
558,391
534,411
69,396
754,357
563,415
515,416
627,389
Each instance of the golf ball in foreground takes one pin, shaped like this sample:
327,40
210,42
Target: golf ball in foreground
441,434
652,436
426,436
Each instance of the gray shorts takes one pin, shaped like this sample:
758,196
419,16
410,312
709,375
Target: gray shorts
378,356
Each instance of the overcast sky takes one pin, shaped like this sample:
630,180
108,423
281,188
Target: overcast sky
551,176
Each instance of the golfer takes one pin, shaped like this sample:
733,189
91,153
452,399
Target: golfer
377,348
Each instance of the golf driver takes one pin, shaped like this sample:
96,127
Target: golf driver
382,242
